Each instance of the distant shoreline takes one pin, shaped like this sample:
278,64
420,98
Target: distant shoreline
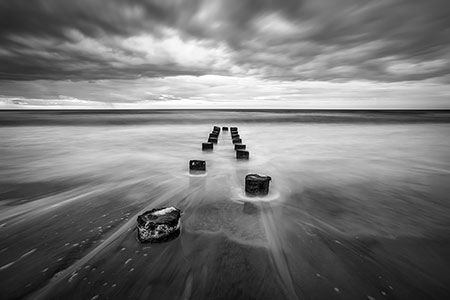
279,110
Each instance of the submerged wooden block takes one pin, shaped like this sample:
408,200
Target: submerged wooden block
257,185
242,154
159,225
207,146
197,165
239,147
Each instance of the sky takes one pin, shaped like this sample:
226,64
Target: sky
299,54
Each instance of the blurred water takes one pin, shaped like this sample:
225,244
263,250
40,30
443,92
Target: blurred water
356,209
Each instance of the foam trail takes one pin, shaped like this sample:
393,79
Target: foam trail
277,253
324,225
13,262
37,207
43,293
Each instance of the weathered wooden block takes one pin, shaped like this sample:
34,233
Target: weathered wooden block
216,128
213,140
224,128
197,165
207,146
257,185
237,141
242,154
239,147
159,225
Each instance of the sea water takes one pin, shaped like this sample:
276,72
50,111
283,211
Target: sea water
358,206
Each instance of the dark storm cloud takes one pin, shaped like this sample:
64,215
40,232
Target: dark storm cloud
385,40
356,39
52,17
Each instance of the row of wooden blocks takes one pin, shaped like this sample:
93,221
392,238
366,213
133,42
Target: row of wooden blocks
239,147
255,184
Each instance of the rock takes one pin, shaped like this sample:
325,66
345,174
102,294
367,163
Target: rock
207,146
159,225
257,185
242,154
239,147
197,165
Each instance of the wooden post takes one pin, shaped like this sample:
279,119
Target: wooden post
207,146
242,154
257,185
197,165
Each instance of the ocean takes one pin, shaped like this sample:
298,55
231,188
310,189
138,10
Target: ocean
358,207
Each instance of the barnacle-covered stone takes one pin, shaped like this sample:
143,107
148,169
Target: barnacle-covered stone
159,225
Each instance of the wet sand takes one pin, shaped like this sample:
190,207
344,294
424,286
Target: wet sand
75,260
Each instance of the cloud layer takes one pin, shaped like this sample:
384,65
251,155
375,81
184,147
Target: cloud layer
337,41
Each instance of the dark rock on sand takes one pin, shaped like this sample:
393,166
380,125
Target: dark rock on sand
159,225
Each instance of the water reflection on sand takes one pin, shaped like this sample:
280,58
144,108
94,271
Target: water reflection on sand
354,212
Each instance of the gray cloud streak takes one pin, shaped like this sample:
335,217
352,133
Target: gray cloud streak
395,40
